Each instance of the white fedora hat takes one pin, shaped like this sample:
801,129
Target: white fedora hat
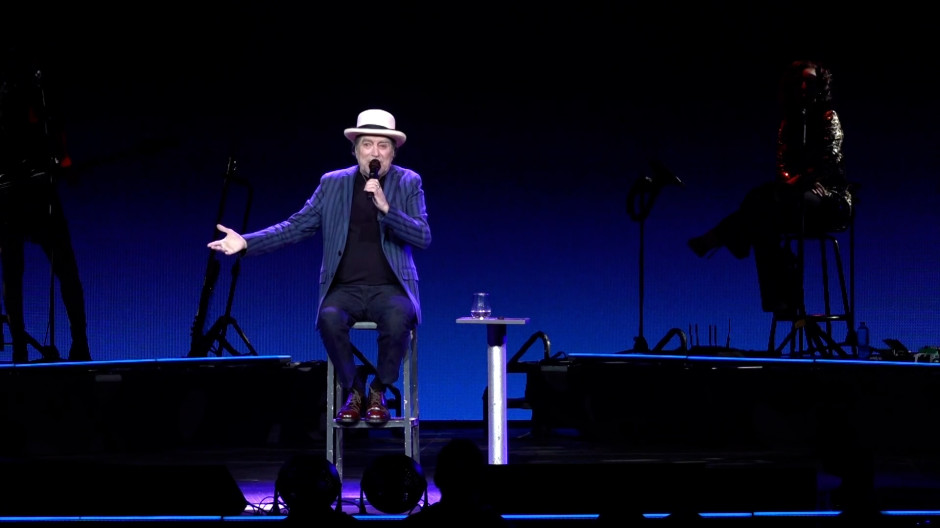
376,122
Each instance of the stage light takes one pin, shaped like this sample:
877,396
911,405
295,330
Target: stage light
307,482
394,483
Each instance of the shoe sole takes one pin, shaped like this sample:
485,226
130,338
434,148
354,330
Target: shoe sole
375,422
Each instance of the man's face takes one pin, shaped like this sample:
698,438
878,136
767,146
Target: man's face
370,148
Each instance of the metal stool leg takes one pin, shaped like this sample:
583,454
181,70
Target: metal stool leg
807,334
406,409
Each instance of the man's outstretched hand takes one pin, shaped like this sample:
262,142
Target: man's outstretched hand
232,243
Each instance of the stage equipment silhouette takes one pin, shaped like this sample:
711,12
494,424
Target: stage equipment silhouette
393,483
640,199
215,341
33,155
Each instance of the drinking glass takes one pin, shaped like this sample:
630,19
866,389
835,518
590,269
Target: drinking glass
480,308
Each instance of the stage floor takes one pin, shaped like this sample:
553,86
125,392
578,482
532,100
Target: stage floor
743,436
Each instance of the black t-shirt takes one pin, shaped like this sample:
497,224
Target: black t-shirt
363,260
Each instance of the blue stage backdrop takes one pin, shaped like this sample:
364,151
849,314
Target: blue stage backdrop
528,154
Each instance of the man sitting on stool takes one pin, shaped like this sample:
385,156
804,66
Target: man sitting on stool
372,215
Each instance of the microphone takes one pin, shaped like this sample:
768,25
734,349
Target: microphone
374,166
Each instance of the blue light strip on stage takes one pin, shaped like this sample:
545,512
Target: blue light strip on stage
551,517
255,518
685,357
750,360
805,513
727,515
511,517
103,365
117,518
148,518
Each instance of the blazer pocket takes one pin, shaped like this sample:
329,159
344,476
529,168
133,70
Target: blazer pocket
409,273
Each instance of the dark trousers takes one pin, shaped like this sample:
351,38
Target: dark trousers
766,213
389,307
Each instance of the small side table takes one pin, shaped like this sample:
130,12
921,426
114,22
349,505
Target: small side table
496,381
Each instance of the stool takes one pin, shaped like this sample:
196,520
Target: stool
812,333
403,405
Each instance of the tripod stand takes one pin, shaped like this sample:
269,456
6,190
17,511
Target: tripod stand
640,201
49,352
203,344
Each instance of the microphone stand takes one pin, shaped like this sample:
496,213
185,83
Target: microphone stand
640,200
49,352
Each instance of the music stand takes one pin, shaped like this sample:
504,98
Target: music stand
204,343
640,201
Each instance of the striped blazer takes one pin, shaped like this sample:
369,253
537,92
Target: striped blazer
404,227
